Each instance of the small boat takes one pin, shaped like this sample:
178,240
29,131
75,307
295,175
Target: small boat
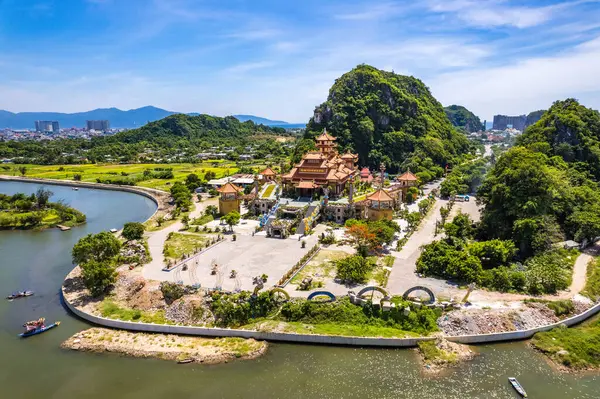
513,381
185,361
20,294
75,188
113,230
39,330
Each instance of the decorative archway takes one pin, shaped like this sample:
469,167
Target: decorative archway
373,288
420,288
280,293
321,293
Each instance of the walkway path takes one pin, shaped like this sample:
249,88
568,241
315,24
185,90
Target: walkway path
156,241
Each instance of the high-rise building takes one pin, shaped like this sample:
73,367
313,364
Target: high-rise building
47,126
501,122
100,125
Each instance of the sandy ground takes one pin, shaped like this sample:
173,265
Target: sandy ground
168,347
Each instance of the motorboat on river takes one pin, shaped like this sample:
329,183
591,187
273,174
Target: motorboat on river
19,294
517,386
35,327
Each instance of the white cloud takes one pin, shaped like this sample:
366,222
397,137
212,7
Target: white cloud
495,13
526,85
371,12
248,66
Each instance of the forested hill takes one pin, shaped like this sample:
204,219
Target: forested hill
545,189
388,118
463,118
570,131
211,129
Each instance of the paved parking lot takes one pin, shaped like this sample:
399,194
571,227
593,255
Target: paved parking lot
249,256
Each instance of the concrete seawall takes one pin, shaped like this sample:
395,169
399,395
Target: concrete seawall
523,334
266,336
323,339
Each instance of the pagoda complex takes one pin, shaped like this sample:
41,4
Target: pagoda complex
321,169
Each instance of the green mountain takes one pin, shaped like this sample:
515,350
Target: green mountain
534,116
569,130
463,118
388,118
209,128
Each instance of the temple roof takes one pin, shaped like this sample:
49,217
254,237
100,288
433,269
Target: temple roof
365,172
379,195
408,176
307,184
268,172
349,156
313,155
325,136
229,188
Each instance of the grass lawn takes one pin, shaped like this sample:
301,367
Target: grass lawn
179,244
434,354
321,265
268,191
592,284
575,348
91,172
50,218
348,330
111,310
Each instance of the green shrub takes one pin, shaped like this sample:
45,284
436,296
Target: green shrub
171,291
354,269
133,231
98,276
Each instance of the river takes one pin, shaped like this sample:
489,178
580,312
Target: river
37,366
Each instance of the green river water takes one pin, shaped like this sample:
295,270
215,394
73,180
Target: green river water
35,367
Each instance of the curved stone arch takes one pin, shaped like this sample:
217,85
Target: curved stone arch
282,292
373,288
420,288
321,293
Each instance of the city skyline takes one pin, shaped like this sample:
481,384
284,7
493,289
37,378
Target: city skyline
279,60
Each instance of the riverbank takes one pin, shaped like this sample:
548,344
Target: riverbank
571,349
161,198
166,346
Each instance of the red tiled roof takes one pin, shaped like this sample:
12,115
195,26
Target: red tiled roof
313,155
408,176
268,172
379,195
325,136
307,184
365,172
229,188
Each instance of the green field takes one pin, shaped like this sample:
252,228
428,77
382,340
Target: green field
178,244
91,172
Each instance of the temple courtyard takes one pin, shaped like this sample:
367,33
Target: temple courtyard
249,255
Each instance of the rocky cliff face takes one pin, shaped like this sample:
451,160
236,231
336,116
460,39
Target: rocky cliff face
389,118
463,118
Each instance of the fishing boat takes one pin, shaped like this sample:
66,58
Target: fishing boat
513,381
34,329
20,294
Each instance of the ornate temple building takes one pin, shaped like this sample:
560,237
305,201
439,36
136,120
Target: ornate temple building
321,169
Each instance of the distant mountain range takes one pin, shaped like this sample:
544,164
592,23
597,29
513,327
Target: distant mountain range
117,118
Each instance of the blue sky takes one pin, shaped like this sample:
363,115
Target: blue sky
277,59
